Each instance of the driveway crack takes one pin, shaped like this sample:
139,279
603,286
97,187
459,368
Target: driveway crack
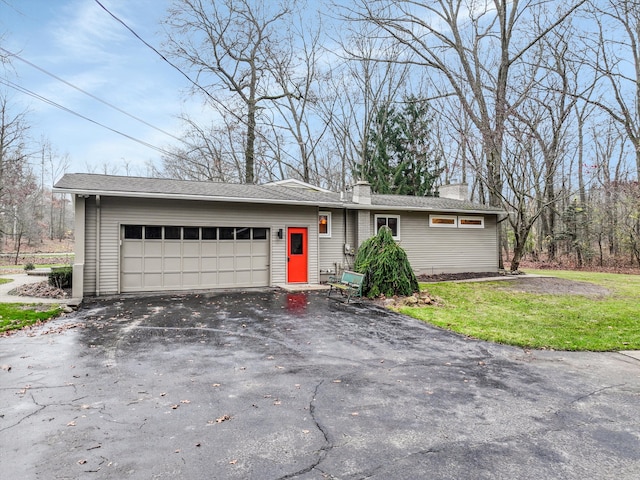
35,412
328,444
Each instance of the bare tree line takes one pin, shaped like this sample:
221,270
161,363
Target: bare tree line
534,104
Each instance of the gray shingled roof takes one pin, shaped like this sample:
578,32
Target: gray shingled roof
428,203
110,185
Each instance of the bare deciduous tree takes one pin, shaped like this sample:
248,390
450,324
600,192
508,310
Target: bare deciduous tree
234,46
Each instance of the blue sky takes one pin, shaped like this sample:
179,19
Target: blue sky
79,42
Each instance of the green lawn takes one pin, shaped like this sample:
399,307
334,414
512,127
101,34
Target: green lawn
14,316
561,322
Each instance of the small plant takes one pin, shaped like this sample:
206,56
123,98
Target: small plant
386,267
61,277
29,266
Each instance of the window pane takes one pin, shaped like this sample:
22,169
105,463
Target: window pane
295,244
243,233
259,233
323,224
153,233
191,233
172,233
226,233
392,223
380,222
133,232
209,233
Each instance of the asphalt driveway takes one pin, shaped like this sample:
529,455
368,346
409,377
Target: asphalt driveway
274,385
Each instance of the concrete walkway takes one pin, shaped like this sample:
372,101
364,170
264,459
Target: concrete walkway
20,279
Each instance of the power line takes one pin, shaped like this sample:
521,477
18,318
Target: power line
165,59
104,102
48,101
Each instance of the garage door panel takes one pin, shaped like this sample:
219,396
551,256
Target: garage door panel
190,263
191,279
243,278
243,263
226,278
172,280
131,280
152,280
153,248
172,264
172,248
209,249
226,263
209,278
226,248
132,265
152,265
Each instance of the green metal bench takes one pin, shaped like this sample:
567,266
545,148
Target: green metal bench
349,284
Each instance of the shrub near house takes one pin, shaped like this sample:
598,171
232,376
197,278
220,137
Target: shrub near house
386,267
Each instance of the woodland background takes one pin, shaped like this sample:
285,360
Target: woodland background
534,104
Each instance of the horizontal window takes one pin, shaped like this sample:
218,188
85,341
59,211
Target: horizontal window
471,222
443,221
172,233
243,233
209,233
453,221
154,232
191,233
133,232
259,233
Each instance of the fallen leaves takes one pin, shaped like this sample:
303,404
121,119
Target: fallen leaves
223,418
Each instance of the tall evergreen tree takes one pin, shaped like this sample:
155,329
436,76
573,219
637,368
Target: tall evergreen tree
400,156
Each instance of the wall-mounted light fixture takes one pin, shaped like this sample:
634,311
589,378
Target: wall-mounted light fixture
280,233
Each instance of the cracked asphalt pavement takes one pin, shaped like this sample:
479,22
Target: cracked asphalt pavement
276,385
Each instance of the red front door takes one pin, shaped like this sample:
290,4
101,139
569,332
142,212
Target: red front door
297,255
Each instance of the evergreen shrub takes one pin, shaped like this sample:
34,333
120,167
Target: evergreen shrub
60,277
386,267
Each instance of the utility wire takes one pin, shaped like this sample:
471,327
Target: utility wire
193,82
24,90
104,102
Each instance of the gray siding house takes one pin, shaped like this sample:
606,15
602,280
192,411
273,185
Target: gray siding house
147,234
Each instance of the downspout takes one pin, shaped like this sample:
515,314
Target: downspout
98,222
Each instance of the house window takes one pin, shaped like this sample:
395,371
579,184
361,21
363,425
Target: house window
152,233
191,233
443,221
391,221
133,232
471,222
172,233
324,224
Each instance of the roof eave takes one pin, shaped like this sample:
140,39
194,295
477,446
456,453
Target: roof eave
205,198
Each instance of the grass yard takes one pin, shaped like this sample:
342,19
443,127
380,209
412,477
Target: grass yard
490,311
14,316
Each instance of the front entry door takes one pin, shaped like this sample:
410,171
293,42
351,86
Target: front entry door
297,255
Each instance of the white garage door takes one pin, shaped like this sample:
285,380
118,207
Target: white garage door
181,258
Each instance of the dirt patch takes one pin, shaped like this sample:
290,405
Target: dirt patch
451,277
520,282
553,286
